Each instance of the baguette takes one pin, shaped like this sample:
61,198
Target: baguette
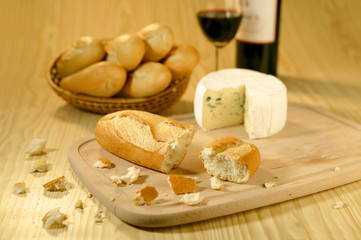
181,60
84,52
231,159
147,80
128,50
145,139
102,79
158,40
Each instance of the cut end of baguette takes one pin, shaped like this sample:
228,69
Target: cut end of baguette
231,159
177,149
146,139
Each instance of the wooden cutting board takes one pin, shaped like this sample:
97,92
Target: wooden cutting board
302,159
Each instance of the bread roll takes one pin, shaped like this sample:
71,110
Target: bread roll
102,79
144,138
158,40
231,159
148,79
181,60
128,50
84,52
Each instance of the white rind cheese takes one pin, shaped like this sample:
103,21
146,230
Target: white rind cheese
234,96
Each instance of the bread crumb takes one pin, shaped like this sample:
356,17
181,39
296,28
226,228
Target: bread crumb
337,169
102,163
130,178
39,165
112,199
36,147
181,184
58,184
270,184
191,199
115,179
19,188
54,219
216,183
145,195
79,205
132,175
98,217
89,195
338,205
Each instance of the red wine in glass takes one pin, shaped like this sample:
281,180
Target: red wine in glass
219,26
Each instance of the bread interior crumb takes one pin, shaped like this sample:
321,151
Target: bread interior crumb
140,134
223,163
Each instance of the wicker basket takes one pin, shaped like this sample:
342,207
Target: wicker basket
154,104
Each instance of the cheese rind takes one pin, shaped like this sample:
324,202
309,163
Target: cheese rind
262,102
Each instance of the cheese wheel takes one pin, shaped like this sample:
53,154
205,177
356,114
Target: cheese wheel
235,96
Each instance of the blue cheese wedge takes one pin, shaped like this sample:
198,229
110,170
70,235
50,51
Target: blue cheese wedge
238,96
214,113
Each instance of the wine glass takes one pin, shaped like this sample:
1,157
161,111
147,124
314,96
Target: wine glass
219,20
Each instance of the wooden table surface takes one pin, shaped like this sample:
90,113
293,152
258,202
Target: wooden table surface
319,61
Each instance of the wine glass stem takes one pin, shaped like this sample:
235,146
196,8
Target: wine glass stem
217,59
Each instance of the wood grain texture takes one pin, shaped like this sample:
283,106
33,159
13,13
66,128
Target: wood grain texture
319,61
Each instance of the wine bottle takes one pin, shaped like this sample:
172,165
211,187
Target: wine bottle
257,36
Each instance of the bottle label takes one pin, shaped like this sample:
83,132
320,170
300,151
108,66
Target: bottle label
258,23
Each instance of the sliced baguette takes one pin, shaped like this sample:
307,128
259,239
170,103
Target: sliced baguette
144,138
231,159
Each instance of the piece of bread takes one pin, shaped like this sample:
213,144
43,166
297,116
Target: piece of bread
216,183
36,147
148,79
98,216
181,184
144,138
39,165
127,50
102,163
102,79
146,195
231,159
158,40
54,219
79,205
84,52
19,188
58,184
181,60
131,177
191,199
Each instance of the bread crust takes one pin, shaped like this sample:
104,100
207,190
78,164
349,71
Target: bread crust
252,159
181,60
108,137
101,79
84,52
146,80
128,50
158,40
